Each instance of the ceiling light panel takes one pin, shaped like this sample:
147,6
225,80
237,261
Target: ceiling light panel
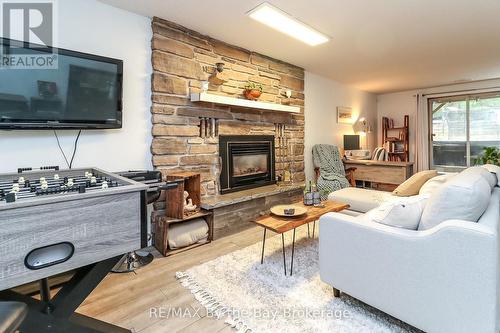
281,21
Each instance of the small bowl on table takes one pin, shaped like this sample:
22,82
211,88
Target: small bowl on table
288,210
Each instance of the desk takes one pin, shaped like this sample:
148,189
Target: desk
382,172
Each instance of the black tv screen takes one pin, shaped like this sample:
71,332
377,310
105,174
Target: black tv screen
79,91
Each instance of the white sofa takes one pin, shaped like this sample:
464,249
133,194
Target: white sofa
444,279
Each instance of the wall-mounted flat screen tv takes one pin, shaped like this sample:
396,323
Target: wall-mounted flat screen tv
79,91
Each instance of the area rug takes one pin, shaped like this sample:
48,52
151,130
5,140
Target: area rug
260,298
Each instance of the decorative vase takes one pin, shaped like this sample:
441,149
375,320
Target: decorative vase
308,195
309,198
252,94
315,194
316,198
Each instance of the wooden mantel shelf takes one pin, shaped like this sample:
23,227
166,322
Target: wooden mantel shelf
245,103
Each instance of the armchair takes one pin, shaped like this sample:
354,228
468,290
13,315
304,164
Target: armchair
349,174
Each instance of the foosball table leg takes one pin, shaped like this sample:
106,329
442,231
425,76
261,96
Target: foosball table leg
62,316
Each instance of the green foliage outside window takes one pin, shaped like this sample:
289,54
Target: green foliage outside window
490,155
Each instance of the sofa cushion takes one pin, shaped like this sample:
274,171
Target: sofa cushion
463,197
494,169
412,185
491,216
402,213
434,183
361,200
488,176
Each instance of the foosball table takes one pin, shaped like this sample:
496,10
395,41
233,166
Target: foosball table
54,221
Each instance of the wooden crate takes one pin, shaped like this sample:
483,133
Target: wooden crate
175,197
174,210
162,223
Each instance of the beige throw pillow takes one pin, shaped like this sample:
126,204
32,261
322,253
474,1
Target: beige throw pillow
412,185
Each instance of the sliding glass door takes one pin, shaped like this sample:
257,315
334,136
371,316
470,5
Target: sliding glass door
461,126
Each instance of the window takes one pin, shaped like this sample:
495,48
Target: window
461,126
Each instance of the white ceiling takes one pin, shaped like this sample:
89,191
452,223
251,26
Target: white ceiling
377,45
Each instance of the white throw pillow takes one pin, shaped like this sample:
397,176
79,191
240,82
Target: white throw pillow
463,197
495,169
434,183
403,213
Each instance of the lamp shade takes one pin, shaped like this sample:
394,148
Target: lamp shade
362,126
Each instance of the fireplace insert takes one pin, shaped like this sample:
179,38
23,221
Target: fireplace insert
247,161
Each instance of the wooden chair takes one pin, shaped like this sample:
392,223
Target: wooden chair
329,157
349,174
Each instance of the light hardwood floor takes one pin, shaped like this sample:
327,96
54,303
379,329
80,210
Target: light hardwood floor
126,299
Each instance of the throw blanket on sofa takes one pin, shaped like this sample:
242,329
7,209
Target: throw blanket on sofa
332,173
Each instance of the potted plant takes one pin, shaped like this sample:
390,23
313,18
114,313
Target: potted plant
253,91
490,155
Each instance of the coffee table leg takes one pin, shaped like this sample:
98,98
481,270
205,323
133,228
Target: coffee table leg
314,227
293,250
283,242
263,244
308,232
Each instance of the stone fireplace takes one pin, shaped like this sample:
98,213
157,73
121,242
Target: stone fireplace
182,59
247,161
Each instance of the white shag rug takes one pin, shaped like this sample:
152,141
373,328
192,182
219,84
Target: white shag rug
260,298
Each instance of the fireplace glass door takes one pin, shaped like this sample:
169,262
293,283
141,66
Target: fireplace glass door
249,165
247,162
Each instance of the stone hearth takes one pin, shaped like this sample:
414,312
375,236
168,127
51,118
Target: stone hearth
234,211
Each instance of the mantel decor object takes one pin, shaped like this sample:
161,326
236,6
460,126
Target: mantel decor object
185,199
217,78
253,91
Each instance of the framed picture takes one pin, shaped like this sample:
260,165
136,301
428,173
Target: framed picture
344,115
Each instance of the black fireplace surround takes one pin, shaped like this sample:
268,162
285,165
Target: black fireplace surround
247,161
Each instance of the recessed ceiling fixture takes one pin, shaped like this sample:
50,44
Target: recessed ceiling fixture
281,21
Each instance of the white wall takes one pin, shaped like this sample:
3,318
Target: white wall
93,27
396,105
322,98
